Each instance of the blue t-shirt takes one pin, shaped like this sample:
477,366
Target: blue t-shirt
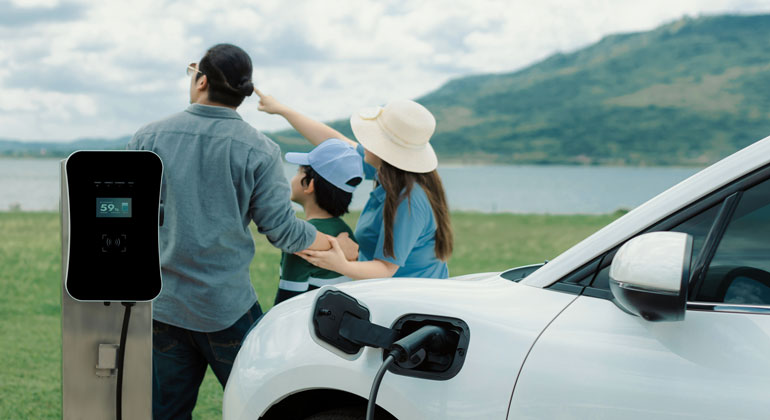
414,233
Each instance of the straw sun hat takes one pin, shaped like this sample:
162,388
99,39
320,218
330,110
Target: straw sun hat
399,134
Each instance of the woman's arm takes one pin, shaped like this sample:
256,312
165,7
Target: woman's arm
334,260
359,270
314,131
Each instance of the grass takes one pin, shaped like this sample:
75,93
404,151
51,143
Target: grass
30,287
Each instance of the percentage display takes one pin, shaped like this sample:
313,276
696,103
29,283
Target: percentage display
113,207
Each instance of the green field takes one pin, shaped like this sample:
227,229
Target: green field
30,292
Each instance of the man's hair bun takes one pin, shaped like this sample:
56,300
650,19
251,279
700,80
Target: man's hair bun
245,87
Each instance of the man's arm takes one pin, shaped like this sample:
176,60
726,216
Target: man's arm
321,242
349,246
270,207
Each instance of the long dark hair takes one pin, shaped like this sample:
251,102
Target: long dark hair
395,180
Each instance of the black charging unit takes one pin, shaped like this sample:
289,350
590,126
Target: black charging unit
113,200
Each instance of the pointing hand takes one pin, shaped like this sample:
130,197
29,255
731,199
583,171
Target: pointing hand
267,103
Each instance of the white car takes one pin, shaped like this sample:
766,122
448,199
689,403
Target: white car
663,314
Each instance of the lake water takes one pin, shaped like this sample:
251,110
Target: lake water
33,184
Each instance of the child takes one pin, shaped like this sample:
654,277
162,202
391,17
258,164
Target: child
323,186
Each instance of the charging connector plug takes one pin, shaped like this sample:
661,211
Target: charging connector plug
428,337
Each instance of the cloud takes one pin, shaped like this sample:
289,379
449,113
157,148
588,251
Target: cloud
16,16
119,65
287,45
47,111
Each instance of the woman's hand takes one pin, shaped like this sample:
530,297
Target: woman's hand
332,260
269,104
349,247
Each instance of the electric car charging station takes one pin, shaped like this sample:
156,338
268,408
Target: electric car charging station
110,215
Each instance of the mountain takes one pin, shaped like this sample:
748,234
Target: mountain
687,93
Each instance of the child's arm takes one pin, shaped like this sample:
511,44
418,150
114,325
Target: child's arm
334,260
314,131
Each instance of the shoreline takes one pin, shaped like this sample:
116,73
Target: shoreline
448,163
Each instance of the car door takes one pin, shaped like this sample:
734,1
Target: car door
597,361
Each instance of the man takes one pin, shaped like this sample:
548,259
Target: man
219,175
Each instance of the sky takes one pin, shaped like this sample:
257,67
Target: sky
102,69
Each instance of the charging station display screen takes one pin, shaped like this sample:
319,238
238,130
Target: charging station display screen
113,207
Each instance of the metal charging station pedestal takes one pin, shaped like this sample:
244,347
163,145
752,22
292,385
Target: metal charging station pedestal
91,329
88,391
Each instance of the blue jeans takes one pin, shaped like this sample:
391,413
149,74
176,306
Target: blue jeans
180,358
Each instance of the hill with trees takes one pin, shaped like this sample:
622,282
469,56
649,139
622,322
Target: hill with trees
687,93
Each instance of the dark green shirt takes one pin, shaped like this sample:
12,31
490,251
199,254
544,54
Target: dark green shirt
298,276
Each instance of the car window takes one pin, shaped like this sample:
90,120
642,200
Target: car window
698,226
739,272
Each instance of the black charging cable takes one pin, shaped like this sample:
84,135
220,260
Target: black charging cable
427,337
121,357
376,385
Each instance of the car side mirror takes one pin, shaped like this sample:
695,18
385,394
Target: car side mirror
650,273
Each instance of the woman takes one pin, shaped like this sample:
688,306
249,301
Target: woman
404,229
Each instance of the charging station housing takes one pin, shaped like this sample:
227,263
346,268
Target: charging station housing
110,216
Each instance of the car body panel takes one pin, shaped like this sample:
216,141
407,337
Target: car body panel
279,358
596,361
670,201
534,352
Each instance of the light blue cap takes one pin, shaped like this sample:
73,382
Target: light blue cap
334,160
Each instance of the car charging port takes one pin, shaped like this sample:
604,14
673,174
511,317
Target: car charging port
422,346
342,322
444,354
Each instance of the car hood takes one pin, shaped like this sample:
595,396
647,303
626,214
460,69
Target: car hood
460,294
476,276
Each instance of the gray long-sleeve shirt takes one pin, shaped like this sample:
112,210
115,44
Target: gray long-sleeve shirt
219,175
